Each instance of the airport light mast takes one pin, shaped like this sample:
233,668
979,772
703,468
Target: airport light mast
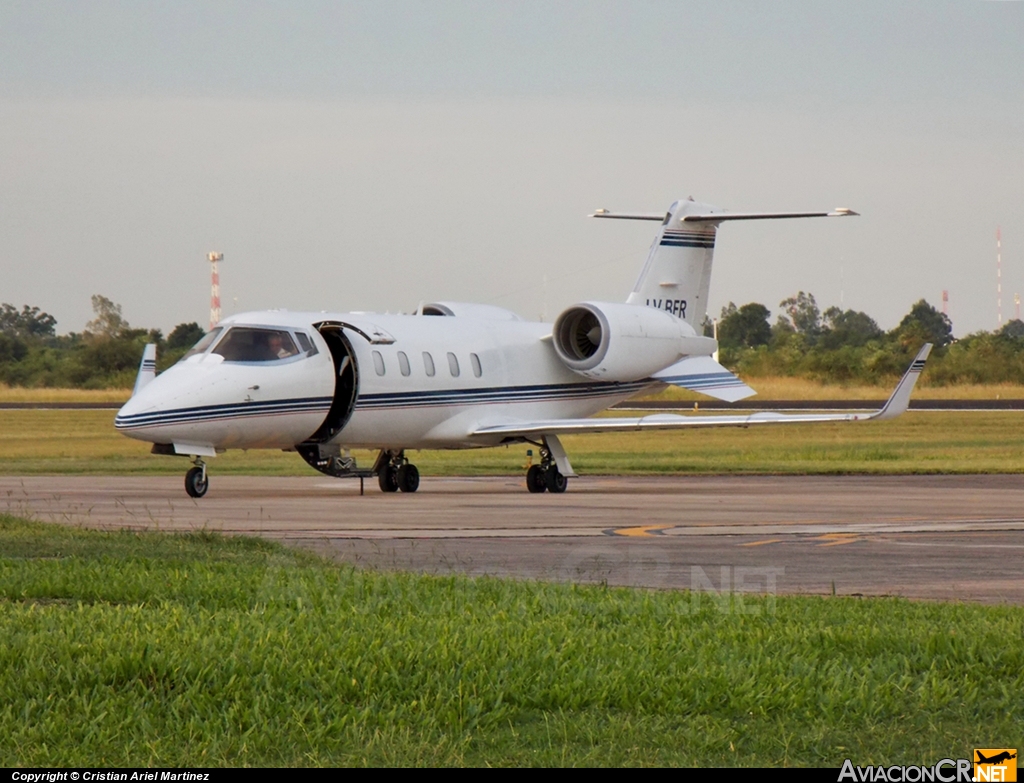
214,259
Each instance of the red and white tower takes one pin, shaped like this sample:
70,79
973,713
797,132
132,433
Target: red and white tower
214,258
999,277
945,302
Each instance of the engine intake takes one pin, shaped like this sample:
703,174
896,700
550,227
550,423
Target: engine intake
622,342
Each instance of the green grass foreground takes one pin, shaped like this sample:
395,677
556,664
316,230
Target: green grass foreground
85,441
149,649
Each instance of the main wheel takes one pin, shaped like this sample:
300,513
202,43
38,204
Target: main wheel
535,479
554,480
408,478
388,479
195,484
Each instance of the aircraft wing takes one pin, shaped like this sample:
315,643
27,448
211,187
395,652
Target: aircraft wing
894,406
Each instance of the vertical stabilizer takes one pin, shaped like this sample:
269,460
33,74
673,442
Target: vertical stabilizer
147,368
677,275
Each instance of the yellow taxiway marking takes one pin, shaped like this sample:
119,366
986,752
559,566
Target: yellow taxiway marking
645,531
837,539
762,543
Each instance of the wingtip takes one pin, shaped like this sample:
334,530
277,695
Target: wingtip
899,400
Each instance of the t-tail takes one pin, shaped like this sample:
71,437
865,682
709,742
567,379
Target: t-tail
677,274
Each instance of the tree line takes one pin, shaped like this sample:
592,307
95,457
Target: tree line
844,346
837,346
104,356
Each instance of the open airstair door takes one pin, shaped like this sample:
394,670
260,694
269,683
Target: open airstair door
346,382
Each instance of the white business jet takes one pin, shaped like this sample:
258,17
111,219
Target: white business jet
457,376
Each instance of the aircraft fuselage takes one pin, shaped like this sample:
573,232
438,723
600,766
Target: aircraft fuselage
416,382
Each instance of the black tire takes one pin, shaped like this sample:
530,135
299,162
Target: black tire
535,479
554,480
408,478
388,479
195,485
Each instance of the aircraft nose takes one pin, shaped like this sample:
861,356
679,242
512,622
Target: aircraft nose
127,412
138,404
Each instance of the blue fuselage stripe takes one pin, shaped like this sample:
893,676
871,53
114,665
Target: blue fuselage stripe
383,401
686,243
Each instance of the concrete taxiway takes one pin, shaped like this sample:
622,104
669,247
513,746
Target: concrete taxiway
933,537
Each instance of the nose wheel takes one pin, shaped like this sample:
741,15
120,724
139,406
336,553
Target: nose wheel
196,482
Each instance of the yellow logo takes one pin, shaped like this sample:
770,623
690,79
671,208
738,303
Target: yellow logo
995,764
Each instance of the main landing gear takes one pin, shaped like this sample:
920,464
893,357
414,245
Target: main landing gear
546,475
196,481
395,472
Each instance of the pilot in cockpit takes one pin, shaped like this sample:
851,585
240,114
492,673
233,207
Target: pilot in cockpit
277,348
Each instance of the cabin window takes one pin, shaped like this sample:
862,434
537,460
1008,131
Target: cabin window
378,362
244,344
306,344
403,363
453,365
428,364
205,342
475,361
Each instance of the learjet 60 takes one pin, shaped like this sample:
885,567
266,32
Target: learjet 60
457,376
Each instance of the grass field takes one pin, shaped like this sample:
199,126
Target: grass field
127,649
773,388
84,441
21,394
770,388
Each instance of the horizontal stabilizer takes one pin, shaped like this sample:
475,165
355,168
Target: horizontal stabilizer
147,368
604,213
704,375
720,217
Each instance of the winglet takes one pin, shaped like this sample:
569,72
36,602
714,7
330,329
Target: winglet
147,368
900,399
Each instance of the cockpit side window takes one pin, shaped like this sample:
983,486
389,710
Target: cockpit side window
205,342
305,344
245,344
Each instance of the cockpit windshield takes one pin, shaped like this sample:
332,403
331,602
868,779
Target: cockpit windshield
205,342
245,344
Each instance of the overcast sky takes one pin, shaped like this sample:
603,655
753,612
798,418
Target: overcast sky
371,156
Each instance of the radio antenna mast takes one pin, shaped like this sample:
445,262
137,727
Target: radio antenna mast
214,259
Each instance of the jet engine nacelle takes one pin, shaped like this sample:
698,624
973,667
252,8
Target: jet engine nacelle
623,342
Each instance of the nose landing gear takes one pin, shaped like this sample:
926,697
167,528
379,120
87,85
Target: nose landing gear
196,482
